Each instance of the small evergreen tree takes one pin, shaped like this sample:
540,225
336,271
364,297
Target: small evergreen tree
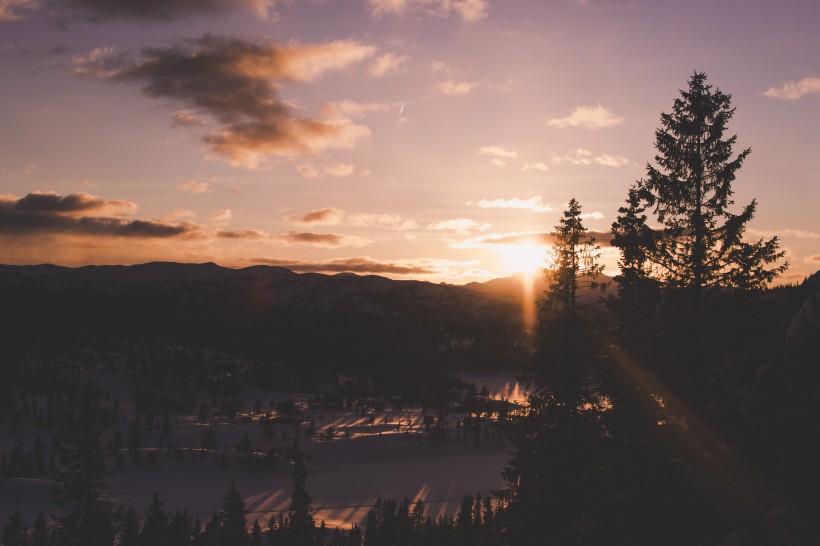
39,533
301,525
233,525
89,521
256,535
14,531
155,527
130,529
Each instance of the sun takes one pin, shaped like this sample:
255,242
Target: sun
527,258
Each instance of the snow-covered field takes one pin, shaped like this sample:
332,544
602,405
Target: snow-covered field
374,455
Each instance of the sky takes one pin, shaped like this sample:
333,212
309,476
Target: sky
416,139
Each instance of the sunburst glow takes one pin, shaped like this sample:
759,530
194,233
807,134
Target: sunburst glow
527,258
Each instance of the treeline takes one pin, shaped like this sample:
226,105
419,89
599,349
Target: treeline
388,523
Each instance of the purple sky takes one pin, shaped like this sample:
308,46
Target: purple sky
430,139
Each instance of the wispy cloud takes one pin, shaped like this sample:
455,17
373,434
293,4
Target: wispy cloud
612,160
383,221
185,118
454,88
307,170
327,215
330,240
497,151
353,109
468,10
533,203
339,170
388,64
223,216
587,117
334,216
603,238
236,83
361,264
461,226
794,90
248,234
12,10
538,166
193,186
581,156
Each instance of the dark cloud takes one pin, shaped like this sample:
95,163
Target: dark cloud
813,259
97,10
235,83
49,202
40,213
327,239
348,265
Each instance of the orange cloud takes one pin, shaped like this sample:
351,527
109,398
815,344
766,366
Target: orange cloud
235,83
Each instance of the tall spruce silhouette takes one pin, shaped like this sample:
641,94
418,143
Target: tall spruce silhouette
699,244
555,440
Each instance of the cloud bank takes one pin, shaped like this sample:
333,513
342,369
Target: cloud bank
236,83
80,214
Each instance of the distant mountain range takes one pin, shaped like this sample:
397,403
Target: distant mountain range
292,288
354,321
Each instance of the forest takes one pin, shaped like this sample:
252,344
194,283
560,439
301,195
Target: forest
676,408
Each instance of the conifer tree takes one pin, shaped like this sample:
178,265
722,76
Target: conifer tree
89,521
554,444
39,533
233,525
256,535
563,342
14,531
129,530
301,525
155,527
699,244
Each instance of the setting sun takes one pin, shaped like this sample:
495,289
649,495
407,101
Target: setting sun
526,258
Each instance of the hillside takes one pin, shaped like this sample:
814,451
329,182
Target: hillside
342,322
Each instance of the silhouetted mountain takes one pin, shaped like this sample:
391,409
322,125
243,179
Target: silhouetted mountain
344,321
514,287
